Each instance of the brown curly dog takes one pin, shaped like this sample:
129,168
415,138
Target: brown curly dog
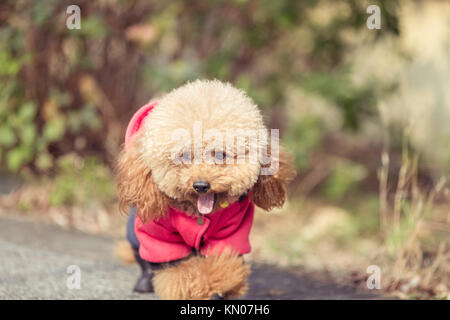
195,163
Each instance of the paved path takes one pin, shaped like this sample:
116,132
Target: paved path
34,258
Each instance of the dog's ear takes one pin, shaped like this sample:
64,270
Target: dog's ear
135,186
270,191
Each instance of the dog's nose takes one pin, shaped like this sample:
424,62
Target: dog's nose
201,186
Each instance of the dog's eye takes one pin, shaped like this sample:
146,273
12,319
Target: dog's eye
219,155
186,156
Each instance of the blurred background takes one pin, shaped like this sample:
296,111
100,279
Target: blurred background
366,114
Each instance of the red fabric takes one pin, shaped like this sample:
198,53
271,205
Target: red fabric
136,121
175,236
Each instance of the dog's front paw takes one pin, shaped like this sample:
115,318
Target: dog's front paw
227,275
217,296
204,278
144,284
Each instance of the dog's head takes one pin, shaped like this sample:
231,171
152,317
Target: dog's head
195,152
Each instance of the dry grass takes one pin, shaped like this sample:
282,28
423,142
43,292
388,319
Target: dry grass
411,243
416,233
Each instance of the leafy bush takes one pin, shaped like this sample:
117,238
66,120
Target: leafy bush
302,138
74,90
344,178
79,181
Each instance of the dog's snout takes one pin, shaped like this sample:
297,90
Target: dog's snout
201,186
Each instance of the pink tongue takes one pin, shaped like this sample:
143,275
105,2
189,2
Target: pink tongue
205,203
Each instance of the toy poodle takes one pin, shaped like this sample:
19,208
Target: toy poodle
191,171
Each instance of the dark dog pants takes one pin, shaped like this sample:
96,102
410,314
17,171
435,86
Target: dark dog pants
134,242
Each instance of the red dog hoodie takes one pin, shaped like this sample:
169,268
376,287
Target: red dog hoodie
178,234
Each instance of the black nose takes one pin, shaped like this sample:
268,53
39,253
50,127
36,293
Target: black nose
201,186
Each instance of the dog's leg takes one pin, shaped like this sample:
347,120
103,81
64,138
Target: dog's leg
213,276
144,284
129,255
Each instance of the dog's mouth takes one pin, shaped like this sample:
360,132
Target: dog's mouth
206,202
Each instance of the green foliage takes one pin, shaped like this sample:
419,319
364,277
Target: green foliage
344,178
94,27
54,129
17,127
303,138
80,180
74,90
397,237
353,101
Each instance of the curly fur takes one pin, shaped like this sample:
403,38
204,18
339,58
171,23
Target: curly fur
201,277
216,106
149,179
136,186
123,250
270,191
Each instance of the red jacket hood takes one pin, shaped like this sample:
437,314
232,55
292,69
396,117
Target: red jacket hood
177,235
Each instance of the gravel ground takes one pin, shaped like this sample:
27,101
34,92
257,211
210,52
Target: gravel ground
34,258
